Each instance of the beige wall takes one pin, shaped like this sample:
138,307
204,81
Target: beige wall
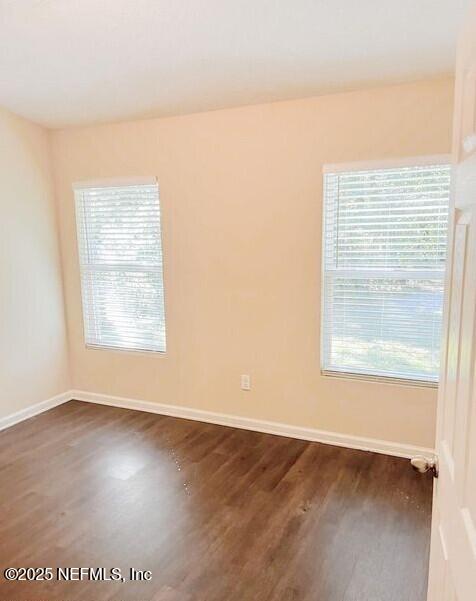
33,353
241,194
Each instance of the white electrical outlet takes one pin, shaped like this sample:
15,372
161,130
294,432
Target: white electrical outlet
245,382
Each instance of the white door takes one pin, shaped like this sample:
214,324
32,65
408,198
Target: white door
453,542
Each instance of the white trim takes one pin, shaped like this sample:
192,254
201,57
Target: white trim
115,182
334,438
437,159
234,421
32,410
380,378
121,349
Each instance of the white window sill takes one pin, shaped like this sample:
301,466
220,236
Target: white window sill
378,379
128,351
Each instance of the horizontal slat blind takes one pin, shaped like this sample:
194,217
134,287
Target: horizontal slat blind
384,253
120,254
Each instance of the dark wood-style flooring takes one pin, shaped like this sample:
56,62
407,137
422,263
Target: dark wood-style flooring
215,513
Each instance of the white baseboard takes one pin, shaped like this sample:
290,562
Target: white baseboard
311,434
32,410
334,438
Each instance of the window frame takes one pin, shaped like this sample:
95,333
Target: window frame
414,161
111,183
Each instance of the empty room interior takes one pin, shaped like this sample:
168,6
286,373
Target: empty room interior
237,300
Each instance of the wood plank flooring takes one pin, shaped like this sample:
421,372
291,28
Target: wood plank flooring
215,513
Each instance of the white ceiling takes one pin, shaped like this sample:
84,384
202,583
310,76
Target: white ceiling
71,62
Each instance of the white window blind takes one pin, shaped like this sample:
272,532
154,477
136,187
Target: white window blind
384,254
120,256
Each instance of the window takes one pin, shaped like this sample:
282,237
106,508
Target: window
384,250
120,255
